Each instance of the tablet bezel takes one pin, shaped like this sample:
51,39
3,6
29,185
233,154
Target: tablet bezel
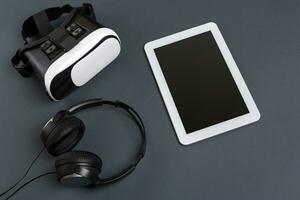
201,134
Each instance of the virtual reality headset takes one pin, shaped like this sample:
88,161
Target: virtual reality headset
68,56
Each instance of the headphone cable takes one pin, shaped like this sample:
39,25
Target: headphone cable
30,181
26,173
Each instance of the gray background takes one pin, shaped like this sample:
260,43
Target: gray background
259,161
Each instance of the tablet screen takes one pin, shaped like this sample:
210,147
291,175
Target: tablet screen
200,82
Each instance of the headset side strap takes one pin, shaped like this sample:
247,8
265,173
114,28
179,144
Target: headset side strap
89,11
18,64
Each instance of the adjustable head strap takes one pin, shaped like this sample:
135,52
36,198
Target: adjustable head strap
38,26
34,27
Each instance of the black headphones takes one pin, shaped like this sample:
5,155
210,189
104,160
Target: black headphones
81,168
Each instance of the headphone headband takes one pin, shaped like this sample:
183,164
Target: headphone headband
137,119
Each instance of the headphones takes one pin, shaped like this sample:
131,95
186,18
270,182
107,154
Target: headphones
81,168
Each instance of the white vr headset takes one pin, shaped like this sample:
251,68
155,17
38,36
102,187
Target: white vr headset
68,56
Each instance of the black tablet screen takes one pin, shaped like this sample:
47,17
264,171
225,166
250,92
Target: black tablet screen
200,82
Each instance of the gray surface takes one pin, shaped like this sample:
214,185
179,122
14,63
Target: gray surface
260,161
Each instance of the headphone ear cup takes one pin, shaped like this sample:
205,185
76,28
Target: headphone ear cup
52,123
60,136
78,168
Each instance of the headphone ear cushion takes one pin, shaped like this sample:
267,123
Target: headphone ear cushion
78,168
61,136
79,157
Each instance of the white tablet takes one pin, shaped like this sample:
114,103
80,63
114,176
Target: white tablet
201,85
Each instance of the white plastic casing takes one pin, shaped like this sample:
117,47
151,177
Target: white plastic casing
89,59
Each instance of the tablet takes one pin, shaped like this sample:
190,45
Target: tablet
200,83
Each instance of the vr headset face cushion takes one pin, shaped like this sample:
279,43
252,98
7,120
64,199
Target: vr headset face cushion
62,133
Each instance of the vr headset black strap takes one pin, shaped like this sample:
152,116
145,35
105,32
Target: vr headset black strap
39,25
20,66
